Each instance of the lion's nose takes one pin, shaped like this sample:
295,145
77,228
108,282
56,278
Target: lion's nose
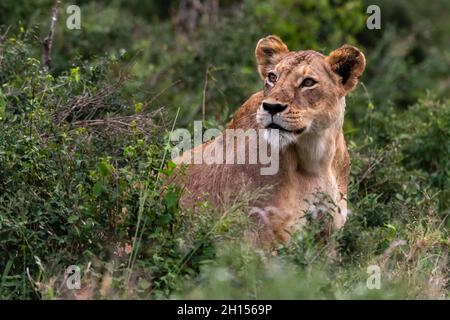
274,108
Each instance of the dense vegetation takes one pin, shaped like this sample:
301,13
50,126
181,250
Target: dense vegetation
83,148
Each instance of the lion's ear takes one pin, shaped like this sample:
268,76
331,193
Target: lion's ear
349,64
269,51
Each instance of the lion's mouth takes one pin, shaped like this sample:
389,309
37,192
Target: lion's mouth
276,126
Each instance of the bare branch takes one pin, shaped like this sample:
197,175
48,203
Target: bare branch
87,105
121,124
2,40
48,40
3,36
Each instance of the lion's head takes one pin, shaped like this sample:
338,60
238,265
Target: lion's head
304,90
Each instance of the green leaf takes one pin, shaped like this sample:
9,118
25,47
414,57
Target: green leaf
171,165
6,271
98,189
129,151
171,199
73,218
391,230
75,74
105,168
169,170
138,107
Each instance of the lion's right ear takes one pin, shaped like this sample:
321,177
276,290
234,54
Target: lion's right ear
269,51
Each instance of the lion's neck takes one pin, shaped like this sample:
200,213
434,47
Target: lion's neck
313,153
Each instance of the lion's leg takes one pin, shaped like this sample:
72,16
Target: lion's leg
275,224
340,215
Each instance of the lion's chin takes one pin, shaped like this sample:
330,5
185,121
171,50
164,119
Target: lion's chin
279,139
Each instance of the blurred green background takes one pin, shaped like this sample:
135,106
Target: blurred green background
175,46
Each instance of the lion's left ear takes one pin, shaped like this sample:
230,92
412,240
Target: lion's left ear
349,64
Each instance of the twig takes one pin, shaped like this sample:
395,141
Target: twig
371,167
208,74
142,122
48,40
3,36
205,86
162,91
2,40
84,106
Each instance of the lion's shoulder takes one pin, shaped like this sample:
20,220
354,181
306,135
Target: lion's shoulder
245,116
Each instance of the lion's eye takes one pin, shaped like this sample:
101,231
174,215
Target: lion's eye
308,82
272,77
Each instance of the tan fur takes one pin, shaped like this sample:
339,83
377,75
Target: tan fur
314,160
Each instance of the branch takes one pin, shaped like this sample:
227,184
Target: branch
85,106
2,40
3,36
48,40
121,124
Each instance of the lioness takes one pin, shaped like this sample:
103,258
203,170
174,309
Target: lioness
304,99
